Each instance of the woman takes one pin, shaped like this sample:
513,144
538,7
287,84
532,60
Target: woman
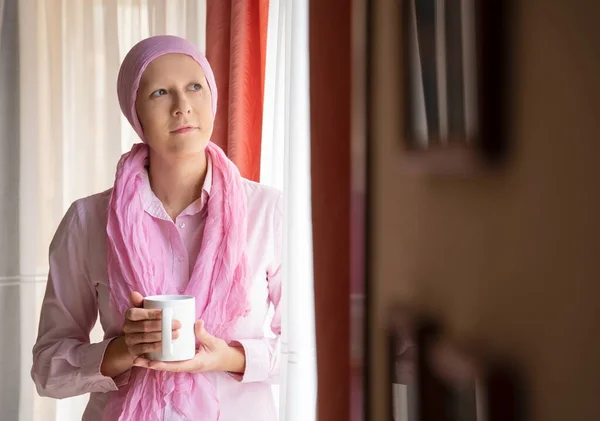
179,220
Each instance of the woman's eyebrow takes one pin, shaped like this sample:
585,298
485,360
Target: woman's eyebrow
143,84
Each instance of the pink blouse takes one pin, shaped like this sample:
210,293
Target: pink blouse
66,364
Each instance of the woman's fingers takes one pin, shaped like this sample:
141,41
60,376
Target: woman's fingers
137,299
142,343
142,338
143,328
147,326
139,338
139,314
141,349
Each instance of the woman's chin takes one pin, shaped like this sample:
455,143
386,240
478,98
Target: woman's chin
187,144
179,152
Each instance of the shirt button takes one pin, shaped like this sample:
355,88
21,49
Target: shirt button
180,259
182,225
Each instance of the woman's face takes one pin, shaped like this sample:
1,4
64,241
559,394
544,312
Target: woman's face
173,106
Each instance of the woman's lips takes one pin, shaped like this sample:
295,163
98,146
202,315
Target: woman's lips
183,130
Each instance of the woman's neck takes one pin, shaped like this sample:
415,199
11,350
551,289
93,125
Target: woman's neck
177,184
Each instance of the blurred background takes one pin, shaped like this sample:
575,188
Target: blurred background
504,256
506,259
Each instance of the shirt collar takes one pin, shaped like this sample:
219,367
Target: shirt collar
154,206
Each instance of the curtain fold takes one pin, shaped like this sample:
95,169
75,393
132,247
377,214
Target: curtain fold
286,165
69,135
236,34
299,390
330,115
1,18
10,317
274,104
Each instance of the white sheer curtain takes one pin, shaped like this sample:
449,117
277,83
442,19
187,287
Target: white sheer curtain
71,135
287,165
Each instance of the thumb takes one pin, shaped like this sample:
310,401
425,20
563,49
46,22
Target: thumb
201,333
137,300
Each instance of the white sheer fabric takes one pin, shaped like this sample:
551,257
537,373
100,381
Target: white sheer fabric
287,166
71,135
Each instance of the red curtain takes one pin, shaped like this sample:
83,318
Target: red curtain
330,93
236,38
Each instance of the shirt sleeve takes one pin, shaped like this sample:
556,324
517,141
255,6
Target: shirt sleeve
65,363
263,355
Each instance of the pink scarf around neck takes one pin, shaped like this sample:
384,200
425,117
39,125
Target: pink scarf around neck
134,262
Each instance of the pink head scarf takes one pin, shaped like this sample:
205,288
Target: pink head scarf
140,56
135,263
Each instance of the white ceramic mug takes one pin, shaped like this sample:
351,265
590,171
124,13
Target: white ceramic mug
175,307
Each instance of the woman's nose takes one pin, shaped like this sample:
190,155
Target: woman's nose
181,106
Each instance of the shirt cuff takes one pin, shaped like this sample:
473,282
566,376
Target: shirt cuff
258,360
122,379
90,367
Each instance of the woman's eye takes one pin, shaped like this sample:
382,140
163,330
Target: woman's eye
195,86
158,92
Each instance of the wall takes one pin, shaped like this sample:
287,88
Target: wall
507,259
9,212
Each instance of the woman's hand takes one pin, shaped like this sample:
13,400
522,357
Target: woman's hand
214,354
142,330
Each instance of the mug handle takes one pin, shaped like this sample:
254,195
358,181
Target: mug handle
167,323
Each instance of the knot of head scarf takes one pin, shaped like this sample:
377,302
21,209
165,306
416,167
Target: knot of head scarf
134,261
